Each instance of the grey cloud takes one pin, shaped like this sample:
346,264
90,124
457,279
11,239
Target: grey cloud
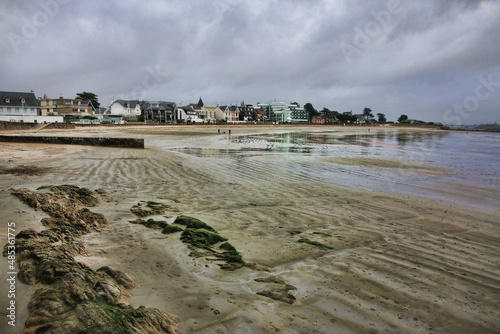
420,61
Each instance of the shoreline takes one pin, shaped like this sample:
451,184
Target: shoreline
398,263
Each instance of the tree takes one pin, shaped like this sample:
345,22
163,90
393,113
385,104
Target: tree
347,117
403,118
381,118
367,114
308,107
89,96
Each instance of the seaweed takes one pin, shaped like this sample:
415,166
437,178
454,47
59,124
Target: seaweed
201,239
152,208
292,232
151,223
314,243
193,223
323,233
169,229
227,246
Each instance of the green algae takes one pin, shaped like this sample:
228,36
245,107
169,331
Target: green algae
201,239
193,223
169,229
314,243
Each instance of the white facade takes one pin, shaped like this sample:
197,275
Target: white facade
18,111
222,113
32,119
188,115
125,108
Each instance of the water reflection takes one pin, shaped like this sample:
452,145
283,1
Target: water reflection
319,143
402,138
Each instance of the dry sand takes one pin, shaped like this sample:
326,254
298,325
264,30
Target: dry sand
398,265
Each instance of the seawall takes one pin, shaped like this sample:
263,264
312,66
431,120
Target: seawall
90,141
34,126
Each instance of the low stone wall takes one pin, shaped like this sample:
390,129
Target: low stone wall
16,126
111,142
33,126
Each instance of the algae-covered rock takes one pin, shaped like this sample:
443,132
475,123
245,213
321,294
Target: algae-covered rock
278,289
200,238
314,243
169,229
151,223
193,223
75,298
150,209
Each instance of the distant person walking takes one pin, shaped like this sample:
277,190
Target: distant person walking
229,132
218,131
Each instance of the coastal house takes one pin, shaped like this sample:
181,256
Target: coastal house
360,119
159,111
234,114
320,119
127,108
258,114
246,112
188,114
18,104
210,114
192,113
65,107
222,113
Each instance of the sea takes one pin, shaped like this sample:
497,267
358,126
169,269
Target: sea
456,167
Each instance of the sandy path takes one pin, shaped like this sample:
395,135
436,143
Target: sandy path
399,264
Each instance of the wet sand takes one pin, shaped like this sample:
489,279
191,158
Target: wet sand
398,263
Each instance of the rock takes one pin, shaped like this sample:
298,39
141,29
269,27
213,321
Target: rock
76,299
280,289
281,295
120,277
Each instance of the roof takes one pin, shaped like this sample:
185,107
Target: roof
200,104
127,103
18,99
158,105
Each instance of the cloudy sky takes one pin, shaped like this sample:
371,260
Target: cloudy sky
432,60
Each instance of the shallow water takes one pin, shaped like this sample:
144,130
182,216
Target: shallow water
457,167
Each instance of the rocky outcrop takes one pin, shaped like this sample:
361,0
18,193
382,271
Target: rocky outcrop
150,209
74,298
278,289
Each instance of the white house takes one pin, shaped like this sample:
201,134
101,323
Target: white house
18,104
130,108
222,113
188,114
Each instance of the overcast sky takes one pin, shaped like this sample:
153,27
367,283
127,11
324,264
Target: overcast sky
431,60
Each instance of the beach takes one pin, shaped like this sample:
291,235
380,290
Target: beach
393,262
